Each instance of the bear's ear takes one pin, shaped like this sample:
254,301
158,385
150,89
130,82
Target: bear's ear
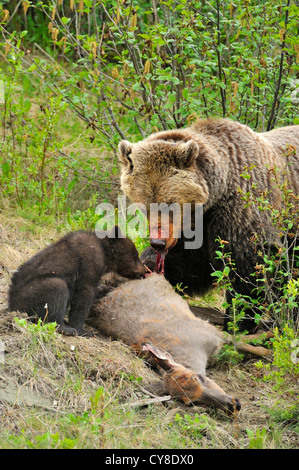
187,153
124,150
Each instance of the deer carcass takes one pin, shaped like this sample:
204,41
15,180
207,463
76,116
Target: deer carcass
150,316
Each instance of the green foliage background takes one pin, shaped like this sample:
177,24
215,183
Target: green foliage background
124,69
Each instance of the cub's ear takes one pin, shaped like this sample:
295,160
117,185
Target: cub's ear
124,150
187,153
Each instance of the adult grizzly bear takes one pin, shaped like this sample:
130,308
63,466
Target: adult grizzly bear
203,164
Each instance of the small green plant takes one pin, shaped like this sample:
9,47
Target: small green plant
83,219
44,441
239,302
181,290
194,427
286,415
229,355
131,377
97,414
274,284
97,400
44,331
42,340
257,439
285,365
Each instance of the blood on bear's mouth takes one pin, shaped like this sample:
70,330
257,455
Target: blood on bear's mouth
161,245
160,257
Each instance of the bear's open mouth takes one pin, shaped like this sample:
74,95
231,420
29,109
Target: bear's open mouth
161,253
160,257
161,242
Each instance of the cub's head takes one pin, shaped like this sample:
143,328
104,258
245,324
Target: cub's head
162,171
121,254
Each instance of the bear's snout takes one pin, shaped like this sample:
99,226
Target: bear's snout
163,238
163,244
159,244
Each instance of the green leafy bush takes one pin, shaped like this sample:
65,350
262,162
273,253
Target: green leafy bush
274,284
285,365
127,69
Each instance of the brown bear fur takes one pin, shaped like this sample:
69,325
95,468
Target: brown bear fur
66,275
203,164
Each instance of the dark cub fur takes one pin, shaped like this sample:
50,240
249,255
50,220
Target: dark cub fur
66,274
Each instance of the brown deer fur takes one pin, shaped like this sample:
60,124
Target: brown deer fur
150,311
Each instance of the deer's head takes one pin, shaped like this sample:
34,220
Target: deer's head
188,386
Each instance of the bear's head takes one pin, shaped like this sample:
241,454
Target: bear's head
165,172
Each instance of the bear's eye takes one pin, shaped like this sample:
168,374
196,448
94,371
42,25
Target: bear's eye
131,163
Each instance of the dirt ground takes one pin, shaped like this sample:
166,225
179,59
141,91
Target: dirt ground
102,359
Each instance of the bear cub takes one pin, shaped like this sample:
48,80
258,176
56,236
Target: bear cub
64,277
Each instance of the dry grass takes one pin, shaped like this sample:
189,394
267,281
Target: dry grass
46,386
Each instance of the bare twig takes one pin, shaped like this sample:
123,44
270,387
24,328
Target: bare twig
275,103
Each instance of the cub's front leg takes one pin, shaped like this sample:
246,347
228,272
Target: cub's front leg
81,302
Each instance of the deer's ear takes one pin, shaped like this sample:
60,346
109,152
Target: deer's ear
124,150
162,358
